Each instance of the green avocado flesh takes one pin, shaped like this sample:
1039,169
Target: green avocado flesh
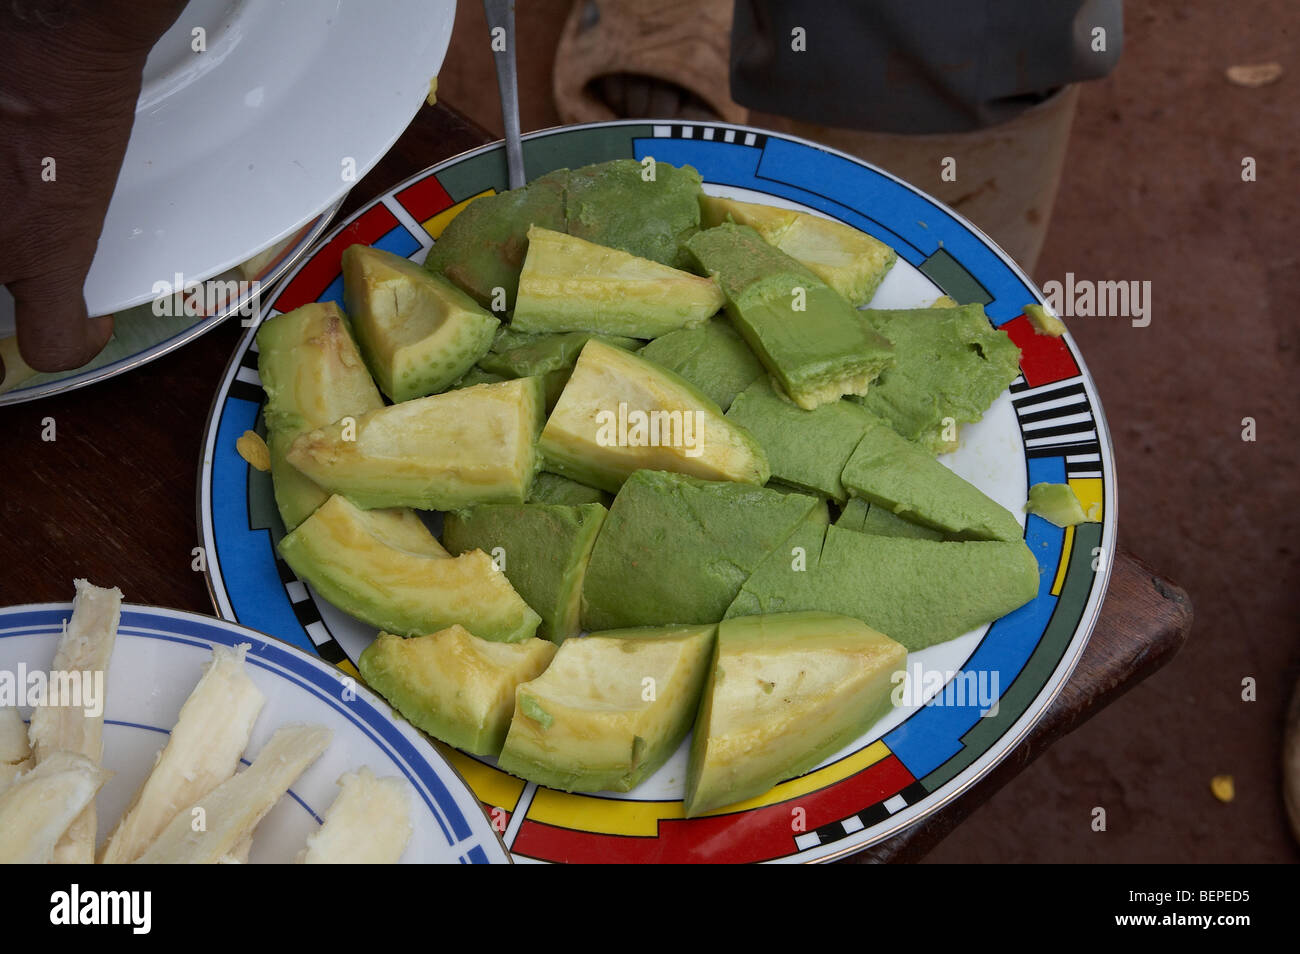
542,549
1057,504
313,375
863,517
456,687
851,262
610,709
570,284
805,333
675,549
620,413
477,375
610,203
713,357
418,332
949,363
785,692
468,446
806,449
1044,322
554,489
894,473
919,592
550,355
384,572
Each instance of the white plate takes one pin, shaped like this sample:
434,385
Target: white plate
238,146
1047,427
157,659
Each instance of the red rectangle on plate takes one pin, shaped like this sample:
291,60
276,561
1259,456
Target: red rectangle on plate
1043,359
425,199
323,267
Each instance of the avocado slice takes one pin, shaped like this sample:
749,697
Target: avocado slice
620,413
468,446
477,375
554,489
891,471
551,356
543,550
313,375
456,687
482,248
570,284
948,363
919,592
851,262
610,709
418,332
712,356
609,203
1057,504
1044,322
785,692
865,517
390,577
676,549
805,333
806,449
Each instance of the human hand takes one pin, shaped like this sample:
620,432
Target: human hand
70,76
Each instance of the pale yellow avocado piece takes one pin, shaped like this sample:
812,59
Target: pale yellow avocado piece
786,691
313,375
851,262
419,333
610,709
381,568
620,413
468,446
570,284
1044,322
1058,504
456,687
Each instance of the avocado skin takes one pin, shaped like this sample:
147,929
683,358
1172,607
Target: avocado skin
546,551
711,356
948,362
919,592
607,203
784,692
807,449
676,549
891,471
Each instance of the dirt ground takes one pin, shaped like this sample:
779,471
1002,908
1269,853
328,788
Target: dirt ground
1152,191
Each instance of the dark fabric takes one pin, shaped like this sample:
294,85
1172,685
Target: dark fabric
916,66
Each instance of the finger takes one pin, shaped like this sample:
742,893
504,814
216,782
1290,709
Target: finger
54,332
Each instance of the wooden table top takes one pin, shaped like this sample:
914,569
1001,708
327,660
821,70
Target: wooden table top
113,498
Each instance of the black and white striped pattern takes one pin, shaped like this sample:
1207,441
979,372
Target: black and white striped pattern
739,137
874,815
247,384
1057,421
304,608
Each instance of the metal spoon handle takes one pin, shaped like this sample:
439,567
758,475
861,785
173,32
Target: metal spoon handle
501,27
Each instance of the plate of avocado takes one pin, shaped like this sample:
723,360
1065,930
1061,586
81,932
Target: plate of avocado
679,497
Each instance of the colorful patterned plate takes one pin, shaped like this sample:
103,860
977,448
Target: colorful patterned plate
157,659
984,690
